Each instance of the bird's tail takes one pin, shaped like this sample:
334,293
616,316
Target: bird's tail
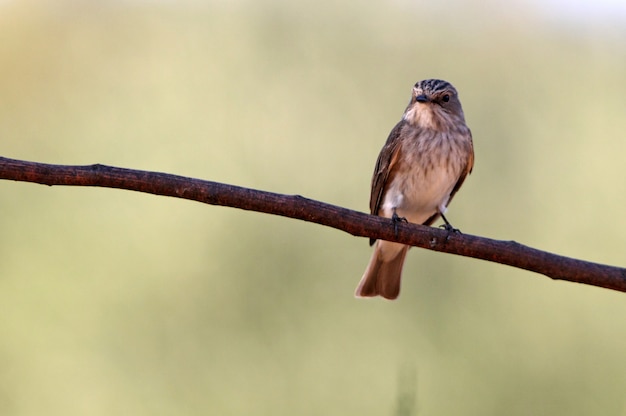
382,276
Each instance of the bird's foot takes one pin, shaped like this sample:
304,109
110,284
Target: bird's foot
395,218
449,228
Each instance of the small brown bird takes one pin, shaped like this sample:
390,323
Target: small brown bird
423,164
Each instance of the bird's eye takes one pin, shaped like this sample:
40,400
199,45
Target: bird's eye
445,98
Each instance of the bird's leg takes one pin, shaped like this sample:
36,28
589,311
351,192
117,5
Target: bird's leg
447,226
396,219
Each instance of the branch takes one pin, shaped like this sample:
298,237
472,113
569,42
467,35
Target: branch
295,206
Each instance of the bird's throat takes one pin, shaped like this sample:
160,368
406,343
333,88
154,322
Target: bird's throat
425,116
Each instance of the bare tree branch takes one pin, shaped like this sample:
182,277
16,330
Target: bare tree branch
298,207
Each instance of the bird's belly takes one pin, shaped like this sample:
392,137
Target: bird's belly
416,196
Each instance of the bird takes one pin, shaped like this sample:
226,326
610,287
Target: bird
422,165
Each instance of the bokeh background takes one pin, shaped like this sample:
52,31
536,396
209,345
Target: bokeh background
113,302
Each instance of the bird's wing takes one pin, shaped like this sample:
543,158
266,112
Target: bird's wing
387,159
468,169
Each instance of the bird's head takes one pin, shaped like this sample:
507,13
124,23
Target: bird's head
434,105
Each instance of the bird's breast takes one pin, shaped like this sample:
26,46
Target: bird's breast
428,166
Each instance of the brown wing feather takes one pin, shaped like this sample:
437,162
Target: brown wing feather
384,165
466,171
386,160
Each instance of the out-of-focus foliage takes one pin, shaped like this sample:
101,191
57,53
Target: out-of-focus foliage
114,302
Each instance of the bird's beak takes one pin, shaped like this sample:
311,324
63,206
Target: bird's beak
422,98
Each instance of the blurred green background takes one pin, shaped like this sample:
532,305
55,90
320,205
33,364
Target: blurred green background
113,302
